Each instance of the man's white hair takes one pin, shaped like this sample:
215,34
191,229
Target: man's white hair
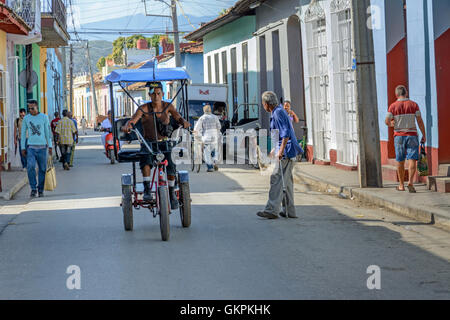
207,109
270,98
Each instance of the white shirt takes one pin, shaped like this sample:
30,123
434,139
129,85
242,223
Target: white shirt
209,127
106,124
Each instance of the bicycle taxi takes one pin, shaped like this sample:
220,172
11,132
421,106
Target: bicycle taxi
132,190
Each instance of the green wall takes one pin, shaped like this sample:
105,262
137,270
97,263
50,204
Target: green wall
23,96
234,32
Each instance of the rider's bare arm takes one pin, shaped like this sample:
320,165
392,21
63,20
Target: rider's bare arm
178,117
134,119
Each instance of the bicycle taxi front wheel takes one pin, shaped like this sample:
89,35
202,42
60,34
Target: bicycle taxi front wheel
164,211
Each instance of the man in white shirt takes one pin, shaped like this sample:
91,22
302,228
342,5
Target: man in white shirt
208,126
106,127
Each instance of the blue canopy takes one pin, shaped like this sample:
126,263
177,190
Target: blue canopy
146,75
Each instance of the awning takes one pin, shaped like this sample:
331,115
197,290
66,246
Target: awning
147,75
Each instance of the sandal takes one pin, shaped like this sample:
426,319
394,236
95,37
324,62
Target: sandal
398,189
411,189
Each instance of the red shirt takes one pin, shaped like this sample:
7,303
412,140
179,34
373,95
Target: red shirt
404,112
54,123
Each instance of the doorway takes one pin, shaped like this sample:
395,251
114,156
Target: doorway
296,84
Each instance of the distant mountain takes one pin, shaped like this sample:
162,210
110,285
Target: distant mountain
138,22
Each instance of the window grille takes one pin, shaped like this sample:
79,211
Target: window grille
344,83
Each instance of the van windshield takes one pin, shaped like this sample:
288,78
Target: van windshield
196,108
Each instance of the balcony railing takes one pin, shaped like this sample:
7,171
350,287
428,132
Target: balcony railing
57,9
26,9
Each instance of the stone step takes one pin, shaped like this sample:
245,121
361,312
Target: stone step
444,170
439,184
390,173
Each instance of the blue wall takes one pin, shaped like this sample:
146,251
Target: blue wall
239,30
194,66
53,70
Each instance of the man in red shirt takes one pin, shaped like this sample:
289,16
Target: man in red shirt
402,116
53,125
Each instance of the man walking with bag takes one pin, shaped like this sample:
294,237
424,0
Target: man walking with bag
285,151
37,127
66,132
402,115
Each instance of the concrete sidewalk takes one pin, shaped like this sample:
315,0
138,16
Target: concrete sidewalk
12,182
424,206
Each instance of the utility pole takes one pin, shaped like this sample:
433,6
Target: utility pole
70,105
174,17
366,98
176,41
94,96
64,79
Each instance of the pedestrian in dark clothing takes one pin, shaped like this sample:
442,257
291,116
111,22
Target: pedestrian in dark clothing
53,125
18,137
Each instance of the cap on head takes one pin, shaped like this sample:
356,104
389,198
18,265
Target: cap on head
153,86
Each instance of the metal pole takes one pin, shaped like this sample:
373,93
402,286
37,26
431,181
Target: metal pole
70,104
176,41
94,96
366,98
113,116
64,79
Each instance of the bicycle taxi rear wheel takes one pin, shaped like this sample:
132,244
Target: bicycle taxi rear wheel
185,208
127,208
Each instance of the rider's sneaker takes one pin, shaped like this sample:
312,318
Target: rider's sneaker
173,199
147,194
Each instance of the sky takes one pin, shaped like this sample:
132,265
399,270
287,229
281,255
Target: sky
91,11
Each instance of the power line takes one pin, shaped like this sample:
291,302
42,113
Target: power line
182,11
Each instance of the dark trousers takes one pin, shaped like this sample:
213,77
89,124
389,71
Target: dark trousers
56,147
23,159
66,150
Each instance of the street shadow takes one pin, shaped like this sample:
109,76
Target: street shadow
322,255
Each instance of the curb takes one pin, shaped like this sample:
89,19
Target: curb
8,195
362,195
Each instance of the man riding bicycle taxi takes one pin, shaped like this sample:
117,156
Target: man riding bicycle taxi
164,112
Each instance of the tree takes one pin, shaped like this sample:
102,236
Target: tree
131,42
101,63
223,12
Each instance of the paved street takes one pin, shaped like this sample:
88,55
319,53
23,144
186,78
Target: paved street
227,253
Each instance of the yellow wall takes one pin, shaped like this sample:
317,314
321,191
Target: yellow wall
43,75
3,49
